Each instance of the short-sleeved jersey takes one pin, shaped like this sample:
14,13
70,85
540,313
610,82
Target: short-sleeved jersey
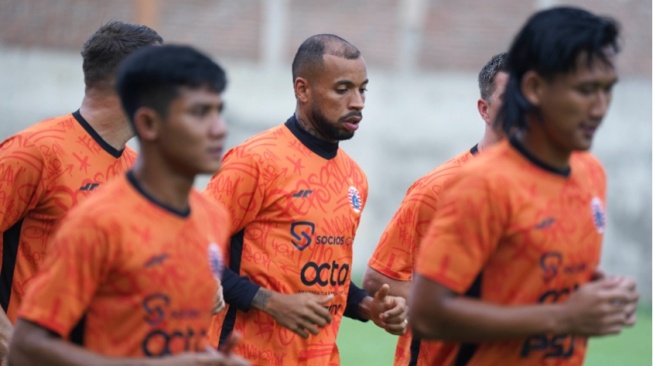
129,276
44,171
520,233
295,203
396,251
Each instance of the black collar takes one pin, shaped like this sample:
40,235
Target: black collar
137,186
96,136
535,160
325,149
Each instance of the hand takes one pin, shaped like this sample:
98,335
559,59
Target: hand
302,313
630,308
389,312
599,307
218,301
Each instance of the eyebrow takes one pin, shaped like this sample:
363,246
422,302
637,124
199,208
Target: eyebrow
350,83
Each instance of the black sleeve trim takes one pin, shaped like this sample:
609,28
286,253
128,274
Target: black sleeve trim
354,299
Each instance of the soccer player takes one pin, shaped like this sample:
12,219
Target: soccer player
508,267
55,164
393,260
296,199
135,266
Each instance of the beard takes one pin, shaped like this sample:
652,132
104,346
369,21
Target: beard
330,129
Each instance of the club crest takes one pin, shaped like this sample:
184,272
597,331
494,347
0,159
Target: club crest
598,214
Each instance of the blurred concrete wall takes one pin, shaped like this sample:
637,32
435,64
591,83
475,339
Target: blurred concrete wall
421,106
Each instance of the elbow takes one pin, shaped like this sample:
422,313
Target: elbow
370,282
429,326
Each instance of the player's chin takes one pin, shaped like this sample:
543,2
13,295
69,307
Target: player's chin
209,167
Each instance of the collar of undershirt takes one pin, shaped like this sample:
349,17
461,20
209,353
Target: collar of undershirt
325,149
474,150
533,159
96,136
132,180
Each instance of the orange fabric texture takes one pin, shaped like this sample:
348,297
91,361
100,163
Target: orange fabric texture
44,171
396,252
138,277
532,235
298,213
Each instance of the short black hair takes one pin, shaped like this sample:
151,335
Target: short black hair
108,46
489,72
152,77
550,44
310,54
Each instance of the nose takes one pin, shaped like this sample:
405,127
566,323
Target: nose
600,105
357,101
218,126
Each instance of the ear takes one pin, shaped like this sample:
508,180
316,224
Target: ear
532,86
302,92
482,107
147,123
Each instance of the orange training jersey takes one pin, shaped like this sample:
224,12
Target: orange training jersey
44,171
518,232
396,252
130,277
295,204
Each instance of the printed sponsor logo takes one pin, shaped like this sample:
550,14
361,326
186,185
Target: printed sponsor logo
302,193
325,274
156,259
158,342
303,234
89,186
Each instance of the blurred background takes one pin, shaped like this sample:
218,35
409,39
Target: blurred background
423,58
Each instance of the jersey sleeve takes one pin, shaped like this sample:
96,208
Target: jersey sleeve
21,179
62,291
237,186
465,231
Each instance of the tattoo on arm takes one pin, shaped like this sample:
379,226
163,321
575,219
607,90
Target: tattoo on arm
261,298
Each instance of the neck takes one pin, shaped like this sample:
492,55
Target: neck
307,125
103,112
489,138
538,144
163,184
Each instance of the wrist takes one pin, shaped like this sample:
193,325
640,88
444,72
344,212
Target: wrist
364,307
559,321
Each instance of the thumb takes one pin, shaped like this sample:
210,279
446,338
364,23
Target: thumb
382,293
325,299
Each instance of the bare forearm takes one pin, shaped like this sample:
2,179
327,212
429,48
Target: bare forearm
373,280
32,345
463,319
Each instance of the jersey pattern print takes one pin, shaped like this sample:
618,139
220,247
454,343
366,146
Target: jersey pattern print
44,171
395,255
130,277
295,207
522,233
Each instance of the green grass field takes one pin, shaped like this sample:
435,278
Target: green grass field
363,344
